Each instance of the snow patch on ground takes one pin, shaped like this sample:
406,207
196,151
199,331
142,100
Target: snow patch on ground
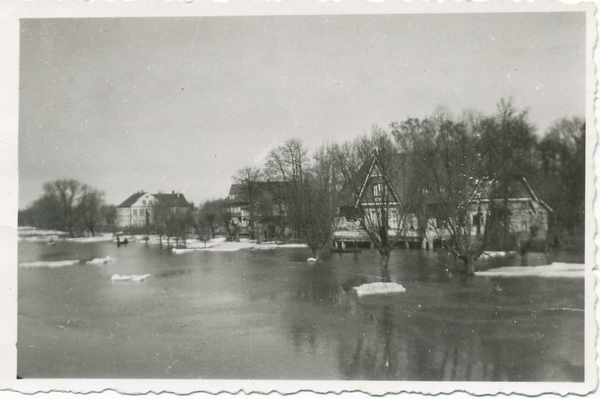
572,270
100,261
59,263
379,288
131,277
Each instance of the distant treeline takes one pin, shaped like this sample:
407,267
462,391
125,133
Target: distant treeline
71,206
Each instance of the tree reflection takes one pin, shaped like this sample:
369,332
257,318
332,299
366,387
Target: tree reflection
442,329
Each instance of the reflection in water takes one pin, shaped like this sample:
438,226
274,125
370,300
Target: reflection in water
270,314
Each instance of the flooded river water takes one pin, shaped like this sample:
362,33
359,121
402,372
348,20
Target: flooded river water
270,314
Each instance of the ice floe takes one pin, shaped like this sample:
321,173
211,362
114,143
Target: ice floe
497,254
58,263
572,270
379,288
100,261
131,277
311,259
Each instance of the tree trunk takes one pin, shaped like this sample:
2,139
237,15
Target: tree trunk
469,265
316,253
385,258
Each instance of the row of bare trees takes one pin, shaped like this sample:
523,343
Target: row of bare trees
444,164
71,206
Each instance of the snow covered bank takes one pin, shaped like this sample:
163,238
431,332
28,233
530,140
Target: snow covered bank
104,237
231,246
571,270
379,288
275,246
100,261
59,263
45,238
30,231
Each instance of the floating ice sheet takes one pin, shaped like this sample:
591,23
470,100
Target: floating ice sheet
58,263
132,277
379,288
100,261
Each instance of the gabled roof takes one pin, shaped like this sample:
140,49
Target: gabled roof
131,200
235,189
374,163
172,200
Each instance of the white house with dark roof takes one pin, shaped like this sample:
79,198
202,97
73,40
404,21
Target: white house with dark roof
137,210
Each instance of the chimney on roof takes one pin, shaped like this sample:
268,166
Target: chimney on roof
173,192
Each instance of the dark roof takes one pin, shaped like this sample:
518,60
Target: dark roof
517,187
235,189
172,200
131,200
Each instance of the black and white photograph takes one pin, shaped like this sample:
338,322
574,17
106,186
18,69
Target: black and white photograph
375,198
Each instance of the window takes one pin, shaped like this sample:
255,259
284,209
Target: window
150,202
135,212
144,202
377,191
148,212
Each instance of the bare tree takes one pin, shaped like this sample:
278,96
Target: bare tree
316,200
205,220
247,178
456,181
562,180
68,193
287,163
89,210
227,219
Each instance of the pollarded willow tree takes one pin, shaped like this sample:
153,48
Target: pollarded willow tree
453,180
308,190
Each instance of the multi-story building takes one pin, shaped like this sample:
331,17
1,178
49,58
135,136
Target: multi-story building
139,208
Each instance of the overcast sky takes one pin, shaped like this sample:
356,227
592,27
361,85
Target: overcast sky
163,104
